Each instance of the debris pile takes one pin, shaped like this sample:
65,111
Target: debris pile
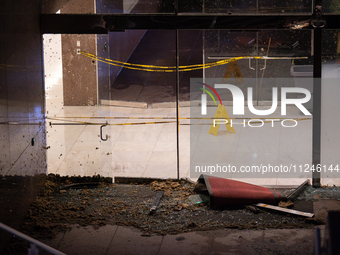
96,202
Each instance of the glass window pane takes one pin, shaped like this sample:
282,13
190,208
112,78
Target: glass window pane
329,106
290,6
331,6
108,6
131,129
135,6
146,96
192,6
258,66
246,6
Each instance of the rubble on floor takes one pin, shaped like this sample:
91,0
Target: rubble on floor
62,204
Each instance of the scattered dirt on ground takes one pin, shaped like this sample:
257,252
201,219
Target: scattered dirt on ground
94,201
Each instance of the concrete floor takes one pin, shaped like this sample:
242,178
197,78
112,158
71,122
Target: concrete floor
113,239
127,240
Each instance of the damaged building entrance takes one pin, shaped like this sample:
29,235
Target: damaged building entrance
148,143
272,52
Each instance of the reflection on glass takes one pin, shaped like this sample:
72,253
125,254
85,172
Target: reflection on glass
144,98
330,105
192,6
246,6
331,6
290,6
190,53
238,6
330,39
289,48
247,138
268,144
146,48
135,6
108,6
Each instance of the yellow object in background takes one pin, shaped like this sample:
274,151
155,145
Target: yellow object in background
233,67
221,113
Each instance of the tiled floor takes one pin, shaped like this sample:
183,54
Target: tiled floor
113,239
127,240
150,150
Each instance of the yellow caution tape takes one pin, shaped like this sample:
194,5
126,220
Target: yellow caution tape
153,122
168,118
168,69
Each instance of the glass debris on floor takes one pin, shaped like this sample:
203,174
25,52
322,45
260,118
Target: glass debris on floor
180,210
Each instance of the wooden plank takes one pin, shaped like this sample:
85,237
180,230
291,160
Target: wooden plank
286,210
